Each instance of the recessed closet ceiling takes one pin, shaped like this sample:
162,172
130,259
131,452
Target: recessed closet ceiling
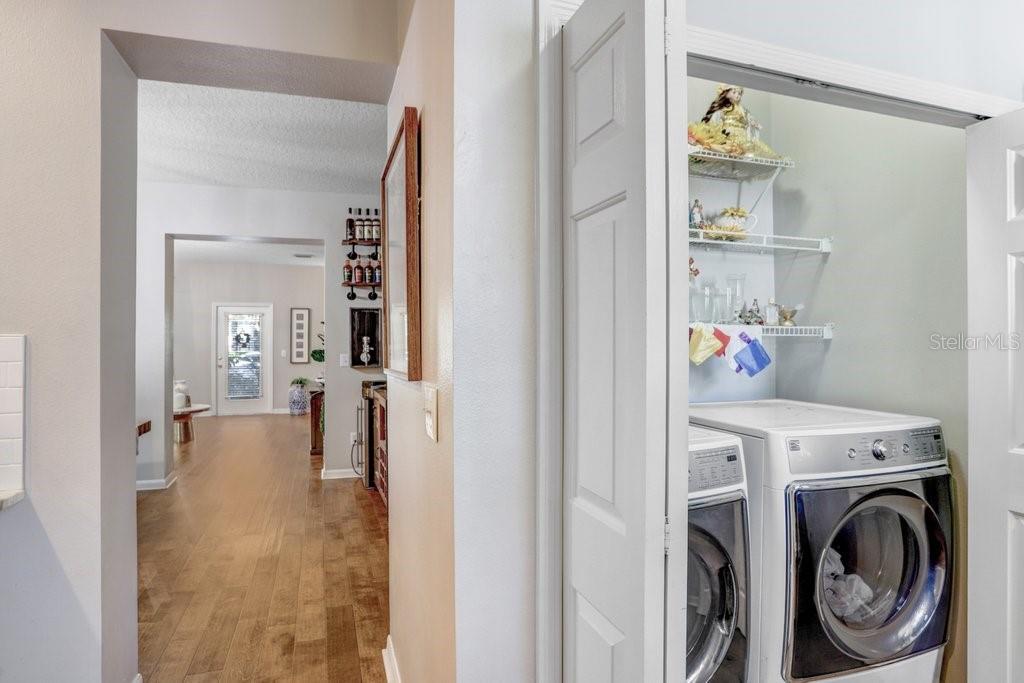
240,138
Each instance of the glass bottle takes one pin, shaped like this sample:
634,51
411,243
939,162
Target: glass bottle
346,271
735,284
350,226
708,292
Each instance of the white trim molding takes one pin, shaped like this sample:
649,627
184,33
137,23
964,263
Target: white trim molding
391,662
725,47
156,484
137,678
348,473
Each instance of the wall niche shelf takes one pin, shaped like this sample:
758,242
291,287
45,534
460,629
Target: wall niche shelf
759,243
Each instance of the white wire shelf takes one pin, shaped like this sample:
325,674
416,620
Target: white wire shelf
759,243
706,163
807,331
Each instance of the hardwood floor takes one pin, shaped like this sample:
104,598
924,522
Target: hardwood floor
252,568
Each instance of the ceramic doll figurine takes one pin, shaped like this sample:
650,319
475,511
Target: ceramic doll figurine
697,220
728,127
755,314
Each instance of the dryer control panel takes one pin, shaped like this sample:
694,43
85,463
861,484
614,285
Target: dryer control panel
865,451
714,468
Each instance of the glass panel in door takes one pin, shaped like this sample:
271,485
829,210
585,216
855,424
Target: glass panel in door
245,356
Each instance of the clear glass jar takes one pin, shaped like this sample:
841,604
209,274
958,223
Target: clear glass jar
735,286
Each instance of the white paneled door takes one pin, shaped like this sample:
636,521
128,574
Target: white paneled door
615,343
995,324
243,359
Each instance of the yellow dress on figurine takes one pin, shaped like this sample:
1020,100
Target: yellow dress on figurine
729,128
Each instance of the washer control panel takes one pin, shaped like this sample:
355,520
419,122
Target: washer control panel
715,468
865,451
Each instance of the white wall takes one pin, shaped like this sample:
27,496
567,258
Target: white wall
117,351
422,556
174,208
495,373
960,43
892,196
70,542
200,284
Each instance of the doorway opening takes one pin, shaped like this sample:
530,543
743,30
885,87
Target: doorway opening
263,554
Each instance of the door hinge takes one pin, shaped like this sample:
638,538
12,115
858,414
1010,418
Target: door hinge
668,36
668,535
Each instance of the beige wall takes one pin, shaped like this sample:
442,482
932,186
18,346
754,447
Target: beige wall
67,566
420,471
896,276
200,284
360,30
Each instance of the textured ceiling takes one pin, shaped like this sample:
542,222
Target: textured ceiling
240,138
208,251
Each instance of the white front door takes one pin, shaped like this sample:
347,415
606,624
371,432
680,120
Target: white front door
995,320
243,359
615,278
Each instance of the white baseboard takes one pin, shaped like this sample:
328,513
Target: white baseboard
281,411
137,679
156,484
391,662
338,474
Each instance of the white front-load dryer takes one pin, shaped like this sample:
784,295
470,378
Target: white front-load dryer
852,540
717,612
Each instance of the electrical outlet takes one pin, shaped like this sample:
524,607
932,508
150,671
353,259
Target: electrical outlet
345,360
352,436
284,353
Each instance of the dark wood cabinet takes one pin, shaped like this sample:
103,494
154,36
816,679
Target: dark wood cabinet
380,442
316,411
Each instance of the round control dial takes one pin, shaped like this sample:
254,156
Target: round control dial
879,450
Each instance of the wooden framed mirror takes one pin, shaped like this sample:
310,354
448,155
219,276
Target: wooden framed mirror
400,240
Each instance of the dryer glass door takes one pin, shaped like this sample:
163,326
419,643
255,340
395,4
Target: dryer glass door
879,561
716,587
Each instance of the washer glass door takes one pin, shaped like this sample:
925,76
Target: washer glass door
716,587
874,575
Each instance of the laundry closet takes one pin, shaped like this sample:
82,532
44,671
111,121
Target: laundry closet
811,274
827,262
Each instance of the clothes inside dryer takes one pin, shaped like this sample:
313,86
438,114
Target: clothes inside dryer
866,569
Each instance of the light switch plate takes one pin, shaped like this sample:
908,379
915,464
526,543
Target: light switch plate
345,360
430,410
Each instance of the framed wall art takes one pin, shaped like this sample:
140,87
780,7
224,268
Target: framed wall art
400,236
300,335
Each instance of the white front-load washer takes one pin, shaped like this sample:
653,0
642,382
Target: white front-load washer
852,537
717,594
